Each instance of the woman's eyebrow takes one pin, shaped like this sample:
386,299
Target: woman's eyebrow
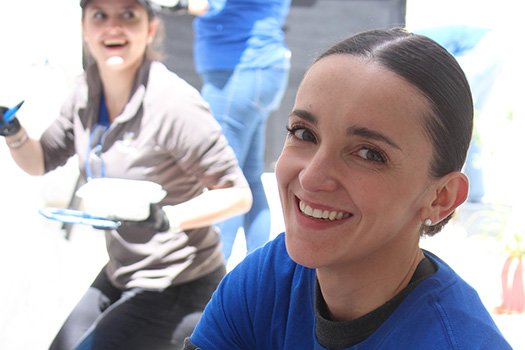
371,134
305,115
351,131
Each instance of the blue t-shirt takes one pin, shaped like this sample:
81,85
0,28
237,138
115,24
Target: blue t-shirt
267,302
240,34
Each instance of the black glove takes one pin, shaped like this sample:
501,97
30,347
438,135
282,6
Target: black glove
8,129
157,220
9,126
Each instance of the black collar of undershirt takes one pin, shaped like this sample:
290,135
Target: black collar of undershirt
341,335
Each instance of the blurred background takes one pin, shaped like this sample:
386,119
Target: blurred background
45,270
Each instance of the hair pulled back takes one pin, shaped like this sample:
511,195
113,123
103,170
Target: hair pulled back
437,75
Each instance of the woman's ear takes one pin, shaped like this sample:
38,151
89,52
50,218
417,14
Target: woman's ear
152,29
450,192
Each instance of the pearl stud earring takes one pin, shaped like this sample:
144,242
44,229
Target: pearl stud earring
428,222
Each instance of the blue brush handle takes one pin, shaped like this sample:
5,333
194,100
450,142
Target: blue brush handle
72,216
10,114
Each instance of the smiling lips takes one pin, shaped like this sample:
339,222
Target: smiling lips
320,214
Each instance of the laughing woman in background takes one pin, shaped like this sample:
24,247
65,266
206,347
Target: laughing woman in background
129,117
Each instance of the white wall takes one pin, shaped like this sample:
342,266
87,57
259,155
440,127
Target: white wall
43,275
41,54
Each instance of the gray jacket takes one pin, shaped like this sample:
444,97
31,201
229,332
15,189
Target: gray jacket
165,134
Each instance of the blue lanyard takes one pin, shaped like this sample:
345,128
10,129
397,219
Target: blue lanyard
103,116
99,132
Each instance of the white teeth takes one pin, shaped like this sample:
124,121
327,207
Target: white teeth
320,214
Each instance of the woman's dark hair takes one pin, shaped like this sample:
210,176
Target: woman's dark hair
437,75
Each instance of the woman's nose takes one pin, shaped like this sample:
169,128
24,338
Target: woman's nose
114,22
320,173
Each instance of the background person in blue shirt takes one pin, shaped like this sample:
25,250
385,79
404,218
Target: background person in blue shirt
244,64
372,162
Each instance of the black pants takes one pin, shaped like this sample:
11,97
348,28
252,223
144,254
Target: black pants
136,319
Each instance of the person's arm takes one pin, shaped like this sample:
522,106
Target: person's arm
210,207
26,152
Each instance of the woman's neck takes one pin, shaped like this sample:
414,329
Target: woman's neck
117,86
365,285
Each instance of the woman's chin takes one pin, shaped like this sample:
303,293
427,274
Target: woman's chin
303,253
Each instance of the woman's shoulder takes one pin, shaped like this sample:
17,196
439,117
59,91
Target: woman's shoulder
162,80
450,306
167,91
447,285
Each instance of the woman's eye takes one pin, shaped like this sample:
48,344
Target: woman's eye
302,134
128,15
371,155
99,15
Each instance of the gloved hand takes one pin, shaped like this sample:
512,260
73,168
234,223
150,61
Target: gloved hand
9,125
157,220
